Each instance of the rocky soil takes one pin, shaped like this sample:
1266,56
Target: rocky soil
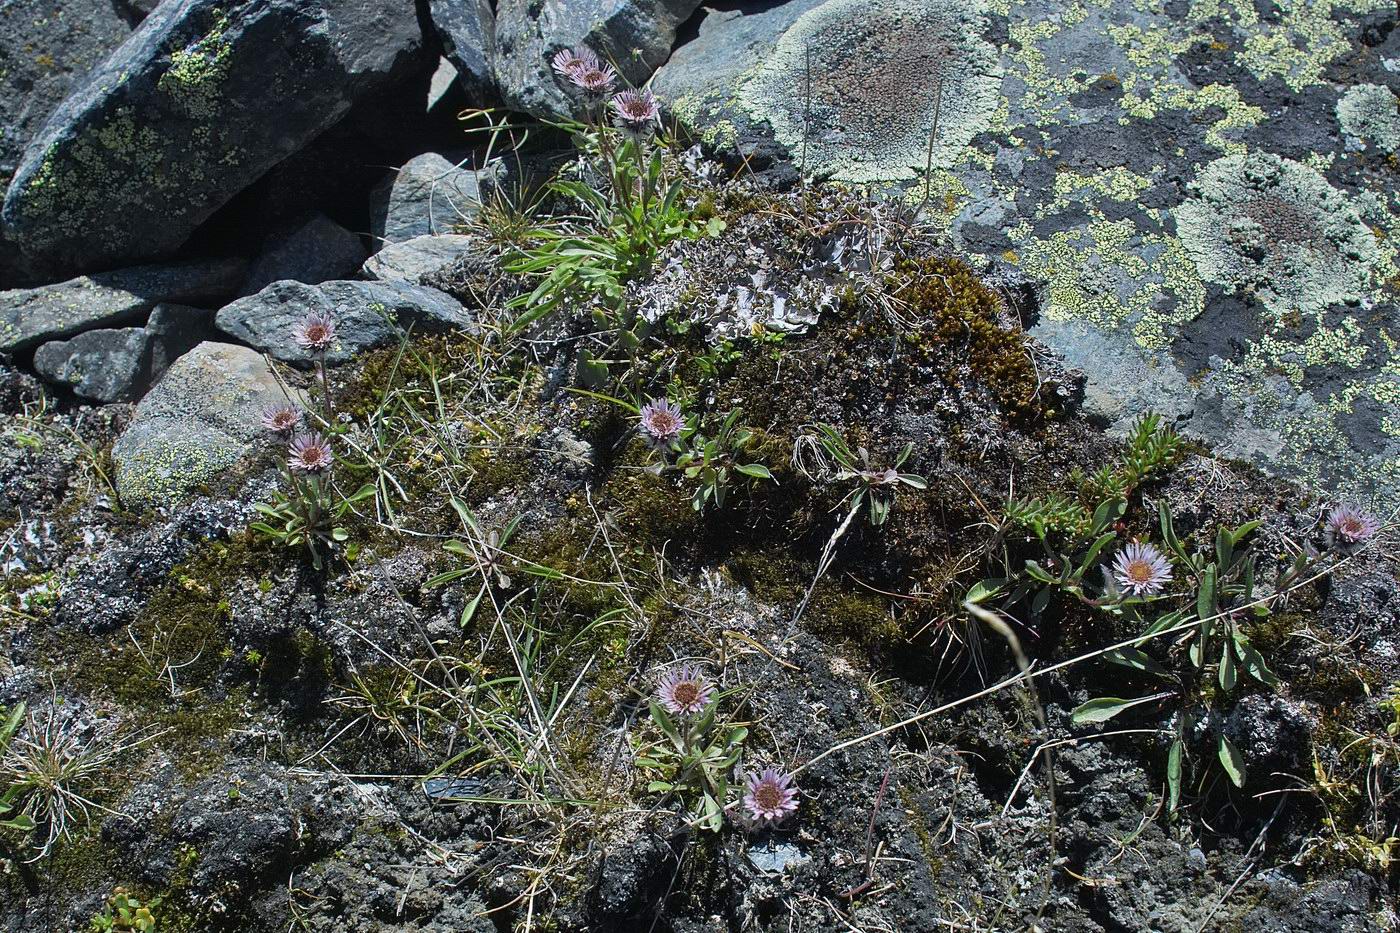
918,279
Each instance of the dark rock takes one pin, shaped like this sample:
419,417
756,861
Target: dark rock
46,46
18,389
635,35
29,316
106,365
366,314
632,877
312,251
467,29
411,260
428,195
199,421
204,98
248,825
175,330
120,364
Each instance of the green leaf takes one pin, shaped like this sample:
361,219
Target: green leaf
1226,673
1232,760
1224,547
1136,659
1174,775
984,590
1103,709
756,470
1253,661
470,609
1094,550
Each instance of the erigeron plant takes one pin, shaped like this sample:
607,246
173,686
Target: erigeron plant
307,511
630,206
712,461
697,752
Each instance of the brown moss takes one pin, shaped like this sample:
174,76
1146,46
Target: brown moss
960,319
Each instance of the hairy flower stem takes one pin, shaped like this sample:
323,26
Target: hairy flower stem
325,387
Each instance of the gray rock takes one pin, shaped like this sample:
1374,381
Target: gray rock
411,260
197,424
366,315
428,195
467,29
850,87
108,365
204,98
635,35
314,250
29,316
46,46
176,330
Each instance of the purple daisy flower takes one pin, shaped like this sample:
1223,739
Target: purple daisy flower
317,332
1348,526
661,422
570,62
596,82
636,111
684,691
769,797
1141,570
281,418
310,453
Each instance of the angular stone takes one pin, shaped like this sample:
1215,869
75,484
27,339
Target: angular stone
366,315
196,425
100,365
412,259
428,195
45,47
313,251
204,98
467,29
635,35
175,330
29,316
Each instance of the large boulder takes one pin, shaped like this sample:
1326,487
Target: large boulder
429,195
853,87
635,35
46,46
200,421
467,29
29,316
119,364
201,101
366,315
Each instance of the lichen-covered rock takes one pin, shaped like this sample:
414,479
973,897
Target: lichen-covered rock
204,98
46,46
29,316
198,422
467,29
635,35
411,260
429,195
854,87
1370,115
313,250
366,315
1277,229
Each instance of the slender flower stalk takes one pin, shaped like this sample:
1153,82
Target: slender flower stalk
316,333
1141,570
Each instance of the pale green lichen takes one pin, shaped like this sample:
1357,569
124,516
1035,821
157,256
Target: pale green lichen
875,70
1368,114
196,72
1276,228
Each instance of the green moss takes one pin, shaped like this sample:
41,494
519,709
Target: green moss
957,320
